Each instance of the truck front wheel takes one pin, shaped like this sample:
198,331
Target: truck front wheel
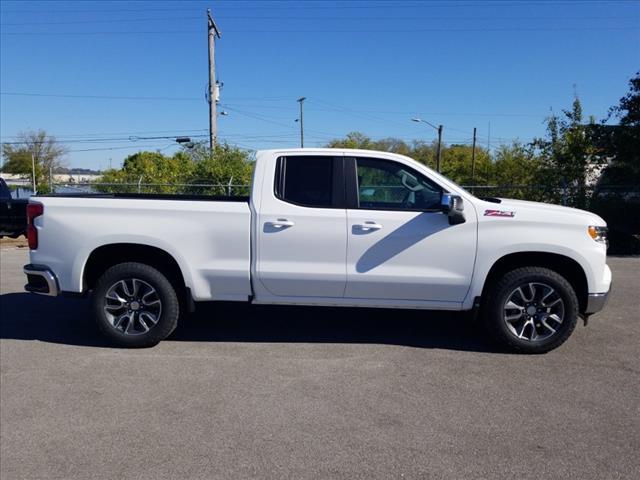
135,305
531,310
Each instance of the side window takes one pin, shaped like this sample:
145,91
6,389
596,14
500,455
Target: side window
306,180
387,185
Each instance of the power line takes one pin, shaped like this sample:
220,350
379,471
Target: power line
81,22
316,18
132,97
112,148
359,6
362,113
256,117
270,138
308,31
98,140
101,97
136,32
444,29
59,136
270,99
417,112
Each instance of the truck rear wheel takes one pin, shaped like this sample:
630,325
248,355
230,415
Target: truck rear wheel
531,310
135,305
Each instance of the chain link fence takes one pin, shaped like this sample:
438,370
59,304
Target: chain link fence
568,196
193,188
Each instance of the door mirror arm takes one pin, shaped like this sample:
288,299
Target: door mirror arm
453,207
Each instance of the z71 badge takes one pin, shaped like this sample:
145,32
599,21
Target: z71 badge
499,213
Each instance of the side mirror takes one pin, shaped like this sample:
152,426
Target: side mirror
453,206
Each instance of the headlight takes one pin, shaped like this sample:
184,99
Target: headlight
599,234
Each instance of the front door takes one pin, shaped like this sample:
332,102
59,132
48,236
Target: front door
302,230
400,246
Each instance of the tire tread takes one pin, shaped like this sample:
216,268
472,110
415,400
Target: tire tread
492,310
170,305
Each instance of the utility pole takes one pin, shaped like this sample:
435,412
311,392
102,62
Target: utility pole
301,102
439,148
473,159
33,173
489,150
212,33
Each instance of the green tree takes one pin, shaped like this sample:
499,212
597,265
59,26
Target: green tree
394,145
361,141
424,152
516,165
149,168
353,140
456,164
48,155
456,159
568,156
617,196
621,143
188,171
227,165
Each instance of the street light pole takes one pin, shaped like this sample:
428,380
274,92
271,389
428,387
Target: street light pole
301,102
439,129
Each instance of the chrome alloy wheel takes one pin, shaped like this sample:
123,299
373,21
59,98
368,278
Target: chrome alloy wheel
534,311
132,306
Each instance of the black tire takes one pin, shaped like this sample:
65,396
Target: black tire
166,313
494,314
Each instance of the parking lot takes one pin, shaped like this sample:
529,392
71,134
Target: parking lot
275,392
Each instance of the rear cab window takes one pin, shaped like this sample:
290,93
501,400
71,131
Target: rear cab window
309,181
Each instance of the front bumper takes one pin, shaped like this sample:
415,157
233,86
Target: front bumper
596,302
40,279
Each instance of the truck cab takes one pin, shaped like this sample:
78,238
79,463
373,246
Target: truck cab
357,228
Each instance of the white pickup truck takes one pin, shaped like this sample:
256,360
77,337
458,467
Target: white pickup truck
324,227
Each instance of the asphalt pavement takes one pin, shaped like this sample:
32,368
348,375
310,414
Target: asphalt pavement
294,392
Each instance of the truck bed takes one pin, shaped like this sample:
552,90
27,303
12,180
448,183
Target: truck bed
208,236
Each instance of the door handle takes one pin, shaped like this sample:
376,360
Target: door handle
369,226
281,223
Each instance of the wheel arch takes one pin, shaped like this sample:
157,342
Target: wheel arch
570,269
106,256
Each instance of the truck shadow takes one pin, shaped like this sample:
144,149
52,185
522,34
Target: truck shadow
68,321
402,238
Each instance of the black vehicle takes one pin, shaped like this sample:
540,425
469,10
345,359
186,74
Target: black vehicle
13,213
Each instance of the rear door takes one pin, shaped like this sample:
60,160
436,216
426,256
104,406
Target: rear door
302,231
400,246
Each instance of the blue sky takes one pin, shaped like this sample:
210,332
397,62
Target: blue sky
363,65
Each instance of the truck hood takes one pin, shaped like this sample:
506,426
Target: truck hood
548,210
